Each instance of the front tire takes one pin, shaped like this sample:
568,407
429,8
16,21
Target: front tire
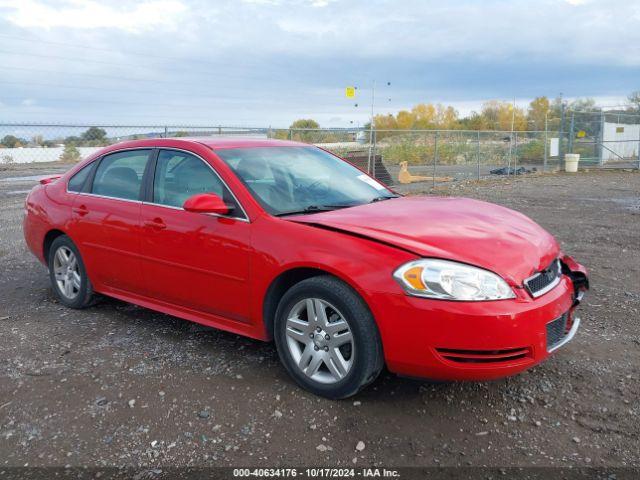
68,275
327,338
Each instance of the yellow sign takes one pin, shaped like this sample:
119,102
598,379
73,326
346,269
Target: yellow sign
350,92
582,134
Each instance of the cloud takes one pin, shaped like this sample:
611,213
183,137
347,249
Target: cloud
263,2
259,61
321,3
88,14
597,32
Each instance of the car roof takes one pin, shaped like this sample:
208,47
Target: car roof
238,142
215,143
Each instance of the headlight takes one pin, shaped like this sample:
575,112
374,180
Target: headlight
446,280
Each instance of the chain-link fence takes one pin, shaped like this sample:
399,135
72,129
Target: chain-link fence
393,156
605,139
23,143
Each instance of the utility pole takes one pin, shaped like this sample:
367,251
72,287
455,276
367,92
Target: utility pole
561,131
513,121
373,101
372,138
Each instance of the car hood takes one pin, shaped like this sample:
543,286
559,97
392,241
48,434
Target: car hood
461,229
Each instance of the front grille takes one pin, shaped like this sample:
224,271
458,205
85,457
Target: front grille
543,281
556,330
484,356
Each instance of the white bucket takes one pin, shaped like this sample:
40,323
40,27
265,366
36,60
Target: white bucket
571,162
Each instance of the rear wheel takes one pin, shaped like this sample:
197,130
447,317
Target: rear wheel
327,338
68,275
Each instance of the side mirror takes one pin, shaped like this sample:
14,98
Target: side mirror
206,203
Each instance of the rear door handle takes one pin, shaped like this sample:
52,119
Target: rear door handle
156,223
81,210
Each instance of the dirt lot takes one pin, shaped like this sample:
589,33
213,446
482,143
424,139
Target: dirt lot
122,385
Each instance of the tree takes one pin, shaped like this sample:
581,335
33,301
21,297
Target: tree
72,139
11,141
424,116
538,111
447,117
405,120
634,99
94,134
305,123
70,153
474,121
501,116
309,136
584,105
385,122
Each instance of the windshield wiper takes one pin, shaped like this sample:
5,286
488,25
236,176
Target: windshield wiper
385,197
313,209
328,208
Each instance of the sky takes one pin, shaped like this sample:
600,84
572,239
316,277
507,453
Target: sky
269,62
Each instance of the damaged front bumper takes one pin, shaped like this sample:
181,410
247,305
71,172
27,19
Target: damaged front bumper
578,275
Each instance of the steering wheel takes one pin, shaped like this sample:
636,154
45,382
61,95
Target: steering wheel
318,187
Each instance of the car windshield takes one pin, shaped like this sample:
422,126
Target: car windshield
299,180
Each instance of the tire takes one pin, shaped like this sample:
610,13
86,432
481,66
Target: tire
316,349
69,279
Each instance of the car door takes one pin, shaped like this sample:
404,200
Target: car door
193,260
105,220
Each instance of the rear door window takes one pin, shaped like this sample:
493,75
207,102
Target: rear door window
77,181
119,175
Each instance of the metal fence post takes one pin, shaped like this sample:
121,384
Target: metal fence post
435,157
639,152
546,143
601,145
165,132
373,156
561,133
572,126
478,154
515,155
510,153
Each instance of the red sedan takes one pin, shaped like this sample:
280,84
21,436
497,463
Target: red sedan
285,241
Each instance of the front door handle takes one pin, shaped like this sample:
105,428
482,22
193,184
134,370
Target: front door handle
82,210
156,224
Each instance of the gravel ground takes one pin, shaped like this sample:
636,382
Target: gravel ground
122,385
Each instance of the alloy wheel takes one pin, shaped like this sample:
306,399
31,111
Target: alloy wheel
319,340
67,272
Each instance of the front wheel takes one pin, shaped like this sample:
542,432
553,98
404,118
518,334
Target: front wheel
68,275
327,338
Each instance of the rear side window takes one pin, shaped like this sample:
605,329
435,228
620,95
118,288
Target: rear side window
77,181
119,175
